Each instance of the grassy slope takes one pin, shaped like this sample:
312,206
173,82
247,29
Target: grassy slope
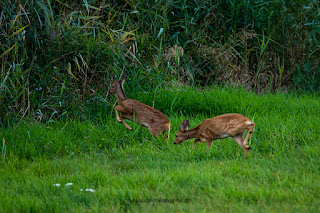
127,167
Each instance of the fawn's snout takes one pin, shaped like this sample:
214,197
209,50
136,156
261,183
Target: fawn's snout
175,143
178,140
180,134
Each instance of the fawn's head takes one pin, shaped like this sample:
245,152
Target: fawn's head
117,85
180,134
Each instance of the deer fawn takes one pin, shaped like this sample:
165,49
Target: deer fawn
219,127
146,116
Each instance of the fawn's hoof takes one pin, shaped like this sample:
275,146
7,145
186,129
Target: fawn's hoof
131,129
249,147
120,121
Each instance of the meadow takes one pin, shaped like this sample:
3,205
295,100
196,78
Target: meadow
113,169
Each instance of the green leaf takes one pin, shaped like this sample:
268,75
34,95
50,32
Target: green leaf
160,32
7,51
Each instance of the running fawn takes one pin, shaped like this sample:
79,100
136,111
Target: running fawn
219,127
146,116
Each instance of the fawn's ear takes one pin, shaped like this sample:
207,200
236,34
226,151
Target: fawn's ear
123,78
184,125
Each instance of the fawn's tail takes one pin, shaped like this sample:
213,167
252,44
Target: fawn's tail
168,128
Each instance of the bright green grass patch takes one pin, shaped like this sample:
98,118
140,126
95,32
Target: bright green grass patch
131,170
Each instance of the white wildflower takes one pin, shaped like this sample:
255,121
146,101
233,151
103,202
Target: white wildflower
90,190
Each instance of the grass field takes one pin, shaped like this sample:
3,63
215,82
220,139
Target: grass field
133,171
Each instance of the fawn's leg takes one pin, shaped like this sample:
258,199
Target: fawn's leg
155,130
195,143
122,110
163,134
209,143
126,125
250,130
239,140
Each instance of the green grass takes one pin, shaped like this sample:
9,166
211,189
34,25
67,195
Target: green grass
131,170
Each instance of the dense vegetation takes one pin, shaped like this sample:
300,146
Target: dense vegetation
133,171
57,56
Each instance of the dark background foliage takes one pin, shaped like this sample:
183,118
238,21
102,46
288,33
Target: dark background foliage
57,56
